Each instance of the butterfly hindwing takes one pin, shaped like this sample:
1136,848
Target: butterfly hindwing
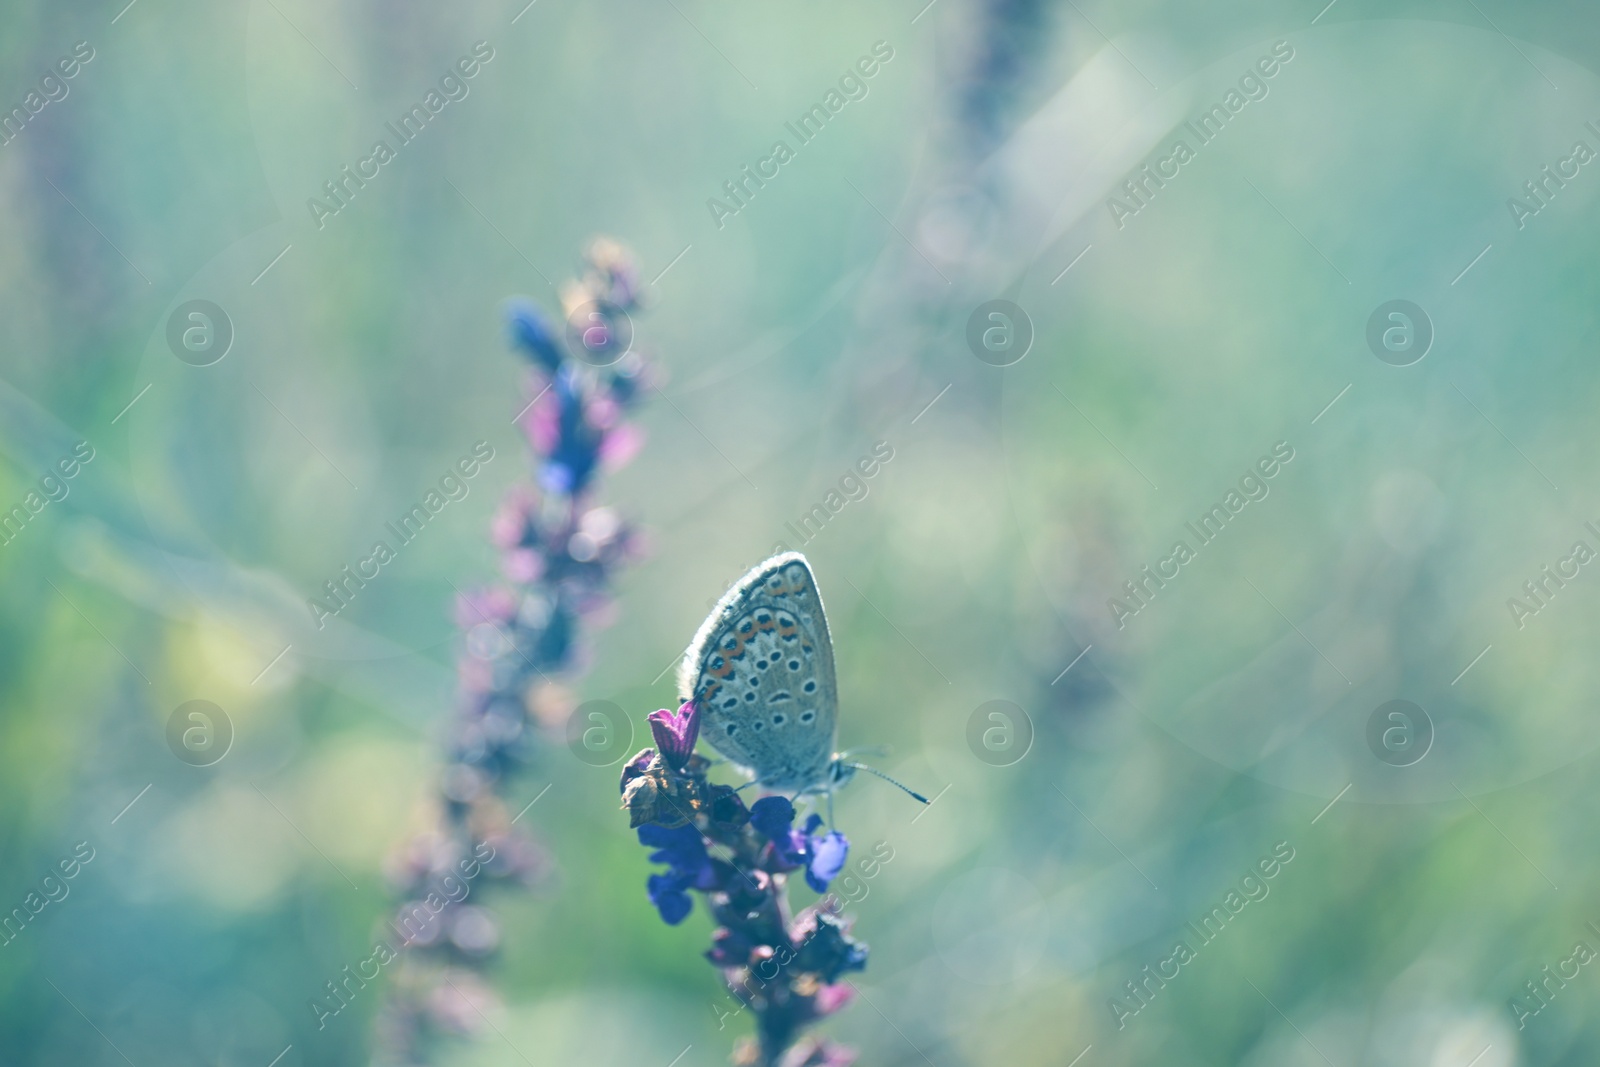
761,670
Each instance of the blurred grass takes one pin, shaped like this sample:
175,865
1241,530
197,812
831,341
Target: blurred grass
1196,338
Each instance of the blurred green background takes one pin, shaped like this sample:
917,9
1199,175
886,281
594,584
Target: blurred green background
1168,355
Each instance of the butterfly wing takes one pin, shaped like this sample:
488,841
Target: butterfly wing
761,670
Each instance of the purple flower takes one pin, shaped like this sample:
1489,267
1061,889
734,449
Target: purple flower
494,604
620,445
822,855
833,998
688,866
559,554
814,1052
676,734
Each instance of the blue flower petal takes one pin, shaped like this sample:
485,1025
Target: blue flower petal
688,864
666,893
675,908
828,856
772,816
556,478
675,838
532,332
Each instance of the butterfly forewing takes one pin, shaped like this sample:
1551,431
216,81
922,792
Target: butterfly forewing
761,670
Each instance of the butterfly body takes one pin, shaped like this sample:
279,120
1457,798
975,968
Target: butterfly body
761,671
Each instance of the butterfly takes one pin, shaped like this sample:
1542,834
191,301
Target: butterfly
760,669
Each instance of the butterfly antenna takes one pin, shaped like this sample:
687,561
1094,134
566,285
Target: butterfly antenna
899,785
